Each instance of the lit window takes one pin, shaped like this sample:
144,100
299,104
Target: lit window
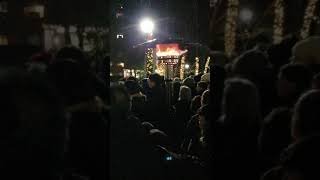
35,10
3,40
119,36
3,6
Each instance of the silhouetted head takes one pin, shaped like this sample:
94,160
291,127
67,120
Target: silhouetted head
154,80
306,115
201,87
189,82
294,79
185,93
74,53
132,87
251,65
275,135
241,102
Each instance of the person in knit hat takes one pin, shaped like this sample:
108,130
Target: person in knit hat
206,78
306,51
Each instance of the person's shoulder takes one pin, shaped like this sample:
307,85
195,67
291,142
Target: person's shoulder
134,120
275,173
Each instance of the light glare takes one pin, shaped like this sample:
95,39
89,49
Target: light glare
147,26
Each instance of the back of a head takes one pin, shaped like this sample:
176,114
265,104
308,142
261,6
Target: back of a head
197,77
306,51
297,74
185,93
275,134
300,160
132,87
241,102
205,78
205,98
306,115
32,126
201,87
176,85
202,84
74,53
156,78
189,82
252,64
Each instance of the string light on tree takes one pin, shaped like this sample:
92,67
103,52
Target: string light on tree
206,67
231,27
149,61
278,21
182,67
160,69
308,17
196,71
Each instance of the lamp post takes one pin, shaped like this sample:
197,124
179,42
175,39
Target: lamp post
246,16
147,27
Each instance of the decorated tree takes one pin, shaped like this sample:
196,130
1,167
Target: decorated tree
308,18
278,21
231,27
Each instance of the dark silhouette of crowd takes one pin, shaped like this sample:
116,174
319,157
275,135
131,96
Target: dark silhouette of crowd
252,116
54,116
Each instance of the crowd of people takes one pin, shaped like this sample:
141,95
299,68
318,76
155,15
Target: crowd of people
253,116
54,117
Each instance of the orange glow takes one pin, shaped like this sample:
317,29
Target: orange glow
167,50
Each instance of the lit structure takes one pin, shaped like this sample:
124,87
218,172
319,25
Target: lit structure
196,71
308,17
231,27
168,56
278,21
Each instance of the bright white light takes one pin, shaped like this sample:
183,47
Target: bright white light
119,36
147,26
187,66
246,15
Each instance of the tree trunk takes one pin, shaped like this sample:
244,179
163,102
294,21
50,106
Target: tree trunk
67,35
80,31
